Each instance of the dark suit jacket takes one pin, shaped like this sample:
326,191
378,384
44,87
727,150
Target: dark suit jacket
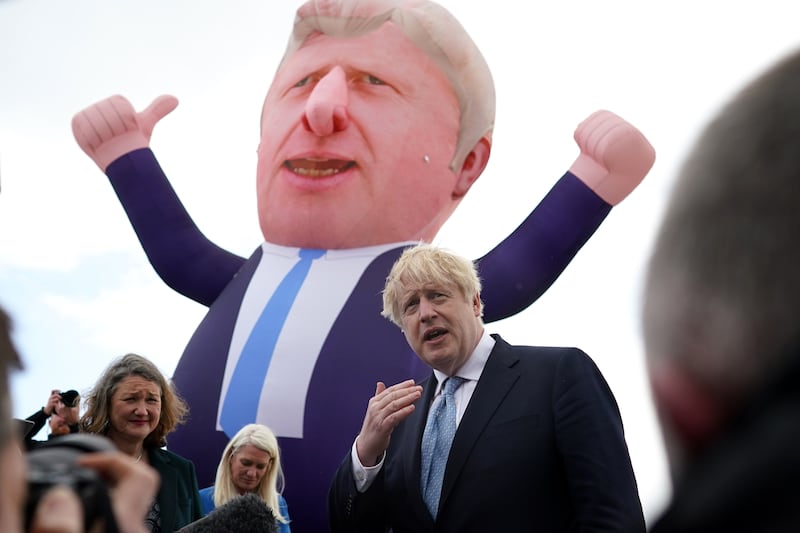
540,447
178,496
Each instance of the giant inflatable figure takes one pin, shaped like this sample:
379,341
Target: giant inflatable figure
378,121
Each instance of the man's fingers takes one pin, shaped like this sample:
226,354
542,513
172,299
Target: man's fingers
396,416
395,401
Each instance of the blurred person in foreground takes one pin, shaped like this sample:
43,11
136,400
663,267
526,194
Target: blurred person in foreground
61,413
720,317
135,406
538,440
250,464
59,511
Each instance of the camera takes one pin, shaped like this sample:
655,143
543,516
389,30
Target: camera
54,463
69,398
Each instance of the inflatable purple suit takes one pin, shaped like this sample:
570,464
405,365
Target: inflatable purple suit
378,121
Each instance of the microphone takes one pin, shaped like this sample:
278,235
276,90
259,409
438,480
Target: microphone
243,514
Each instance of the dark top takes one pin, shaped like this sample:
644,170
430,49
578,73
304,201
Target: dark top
178,497
746,481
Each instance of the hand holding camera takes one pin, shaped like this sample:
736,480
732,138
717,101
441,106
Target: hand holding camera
90,484
52,402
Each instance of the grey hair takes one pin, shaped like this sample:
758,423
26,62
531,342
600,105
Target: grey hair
723,281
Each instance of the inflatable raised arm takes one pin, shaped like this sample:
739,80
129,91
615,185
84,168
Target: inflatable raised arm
117,139
614,158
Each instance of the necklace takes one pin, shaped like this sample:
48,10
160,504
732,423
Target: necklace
138,458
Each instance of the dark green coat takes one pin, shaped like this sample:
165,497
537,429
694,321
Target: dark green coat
178,496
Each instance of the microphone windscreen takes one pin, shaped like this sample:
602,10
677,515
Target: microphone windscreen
243,514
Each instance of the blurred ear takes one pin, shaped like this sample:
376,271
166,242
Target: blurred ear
689,409
472,167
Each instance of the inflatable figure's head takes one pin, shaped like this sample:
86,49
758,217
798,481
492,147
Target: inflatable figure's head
378,121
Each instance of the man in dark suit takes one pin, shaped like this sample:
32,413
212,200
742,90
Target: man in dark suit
538,441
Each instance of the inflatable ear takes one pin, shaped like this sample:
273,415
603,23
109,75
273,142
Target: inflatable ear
472,167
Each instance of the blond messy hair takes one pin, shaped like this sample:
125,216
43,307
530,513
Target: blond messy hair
423,265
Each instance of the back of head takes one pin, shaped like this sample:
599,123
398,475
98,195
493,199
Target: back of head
243,514
723,281
426,264
435,31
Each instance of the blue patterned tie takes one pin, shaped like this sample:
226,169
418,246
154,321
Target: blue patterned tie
439,432
244,390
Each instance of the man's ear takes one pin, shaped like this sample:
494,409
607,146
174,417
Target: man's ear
472,167
476,304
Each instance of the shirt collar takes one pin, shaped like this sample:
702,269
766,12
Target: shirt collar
344,253
473,368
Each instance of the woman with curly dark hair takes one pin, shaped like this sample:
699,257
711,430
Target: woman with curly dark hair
135,406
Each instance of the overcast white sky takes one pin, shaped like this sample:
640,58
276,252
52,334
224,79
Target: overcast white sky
78,284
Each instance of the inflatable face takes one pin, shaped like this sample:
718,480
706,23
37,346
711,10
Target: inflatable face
357,137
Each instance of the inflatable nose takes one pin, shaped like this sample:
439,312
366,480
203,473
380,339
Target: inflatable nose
326,108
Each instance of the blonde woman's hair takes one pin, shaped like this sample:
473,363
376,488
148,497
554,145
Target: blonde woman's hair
271,484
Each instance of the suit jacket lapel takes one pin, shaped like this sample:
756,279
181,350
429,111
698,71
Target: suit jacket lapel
496,380
416,424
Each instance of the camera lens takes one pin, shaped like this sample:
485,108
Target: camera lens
69,398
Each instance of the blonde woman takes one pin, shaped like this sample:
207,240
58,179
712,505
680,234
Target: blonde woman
251,463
